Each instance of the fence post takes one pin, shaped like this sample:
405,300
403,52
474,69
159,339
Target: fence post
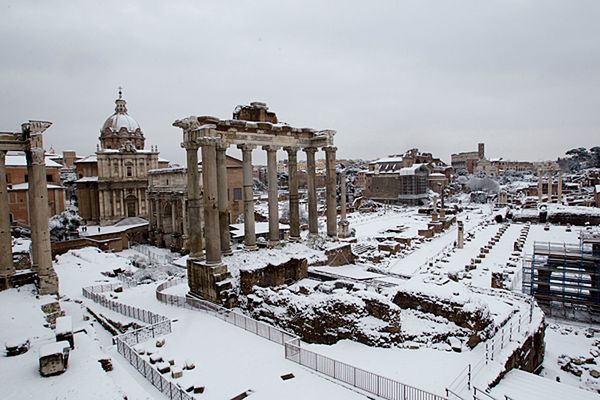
469,378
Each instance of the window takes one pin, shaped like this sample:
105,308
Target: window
48,178
237,194
129,171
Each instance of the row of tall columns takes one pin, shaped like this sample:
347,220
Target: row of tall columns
216,212
7,268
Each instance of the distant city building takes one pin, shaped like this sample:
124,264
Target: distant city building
18,187
405,178
467,161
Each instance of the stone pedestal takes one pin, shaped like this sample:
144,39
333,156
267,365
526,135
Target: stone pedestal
211,282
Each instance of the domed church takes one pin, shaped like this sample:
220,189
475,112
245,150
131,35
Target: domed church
112,183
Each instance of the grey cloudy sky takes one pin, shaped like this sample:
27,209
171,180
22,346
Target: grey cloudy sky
522,76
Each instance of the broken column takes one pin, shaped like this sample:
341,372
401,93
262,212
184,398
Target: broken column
560,188
293,192
313,225
7,268
330,189
223,198
249,228
460,241
273,196
343,225
540,187
38,187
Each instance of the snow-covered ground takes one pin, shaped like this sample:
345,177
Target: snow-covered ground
230,360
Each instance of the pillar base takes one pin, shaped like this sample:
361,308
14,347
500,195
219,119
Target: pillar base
48,284
250,247
295,239
227,252
5,282
272,243
343,229
211,282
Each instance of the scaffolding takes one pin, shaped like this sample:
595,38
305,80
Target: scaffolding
565,278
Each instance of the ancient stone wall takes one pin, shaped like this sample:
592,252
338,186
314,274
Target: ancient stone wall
274,275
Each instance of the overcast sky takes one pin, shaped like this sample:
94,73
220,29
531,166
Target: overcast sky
521,76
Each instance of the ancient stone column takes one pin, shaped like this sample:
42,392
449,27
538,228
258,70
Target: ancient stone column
343,225
460,241
249,228
194,219
211,205
560,188
313,225
330,189
184,222
223,198
273,197
540,187
293,192
7,268
47,278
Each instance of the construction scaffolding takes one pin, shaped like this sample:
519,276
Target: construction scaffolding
565,278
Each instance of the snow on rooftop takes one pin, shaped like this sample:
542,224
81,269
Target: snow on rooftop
25,186
87,179
19,160
89,159
410,170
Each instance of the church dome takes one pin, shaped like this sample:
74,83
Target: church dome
120,128
120,119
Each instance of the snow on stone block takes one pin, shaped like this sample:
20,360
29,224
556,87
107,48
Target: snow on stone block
155,358
17,346
160,342
163,367
189,365
54,358
176,373
139,349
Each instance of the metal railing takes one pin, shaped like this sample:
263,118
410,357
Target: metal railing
159,325
359,378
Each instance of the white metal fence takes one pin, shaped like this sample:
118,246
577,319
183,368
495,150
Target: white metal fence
368,381
159,325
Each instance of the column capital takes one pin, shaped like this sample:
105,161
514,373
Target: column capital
190,145
291,149
270,147
208,141
35,127
330,149
246,147
222,145
312,150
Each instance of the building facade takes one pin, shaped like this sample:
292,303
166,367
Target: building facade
112,183
17,177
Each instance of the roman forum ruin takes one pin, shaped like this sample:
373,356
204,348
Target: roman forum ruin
252,127
29,140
